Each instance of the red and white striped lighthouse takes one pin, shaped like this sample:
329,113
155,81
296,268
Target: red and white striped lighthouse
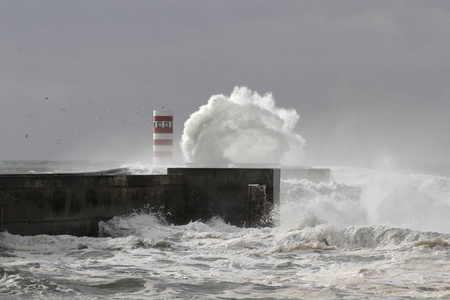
162,137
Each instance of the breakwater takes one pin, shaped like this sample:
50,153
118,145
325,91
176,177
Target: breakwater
32,204
74,204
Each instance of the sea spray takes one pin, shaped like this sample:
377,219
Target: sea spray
413,201
326,246
244,127
308,204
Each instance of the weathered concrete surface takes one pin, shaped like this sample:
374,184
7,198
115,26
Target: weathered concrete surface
312,174
117,171
224,192
257,205
74,204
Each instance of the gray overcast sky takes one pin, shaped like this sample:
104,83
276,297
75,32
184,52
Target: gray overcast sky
370,79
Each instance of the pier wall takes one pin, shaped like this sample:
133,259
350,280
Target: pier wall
75,203
229,193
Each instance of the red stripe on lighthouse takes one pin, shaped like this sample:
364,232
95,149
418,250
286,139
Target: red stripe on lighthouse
163,142
162,130
163,118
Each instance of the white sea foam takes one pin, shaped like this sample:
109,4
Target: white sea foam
244,127
408,200
327,245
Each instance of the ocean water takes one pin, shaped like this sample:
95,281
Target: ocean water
368,234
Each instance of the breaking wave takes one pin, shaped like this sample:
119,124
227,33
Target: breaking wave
244,127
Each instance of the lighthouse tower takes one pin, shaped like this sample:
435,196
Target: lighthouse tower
162,137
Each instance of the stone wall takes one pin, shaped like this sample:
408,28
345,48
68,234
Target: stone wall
224,193
74,204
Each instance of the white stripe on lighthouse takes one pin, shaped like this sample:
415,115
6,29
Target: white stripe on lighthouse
162,148
162,136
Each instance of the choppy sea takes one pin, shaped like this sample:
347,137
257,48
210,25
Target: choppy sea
368,234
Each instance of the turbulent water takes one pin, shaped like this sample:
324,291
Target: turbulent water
368,234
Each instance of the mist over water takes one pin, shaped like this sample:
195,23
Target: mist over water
416,201
368,234
244,127
367,197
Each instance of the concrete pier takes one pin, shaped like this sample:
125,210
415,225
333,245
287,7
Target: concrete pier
224,192
75,203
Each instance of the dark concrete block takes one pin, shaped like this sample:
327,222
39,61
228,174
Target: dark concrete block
223,192
75,203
